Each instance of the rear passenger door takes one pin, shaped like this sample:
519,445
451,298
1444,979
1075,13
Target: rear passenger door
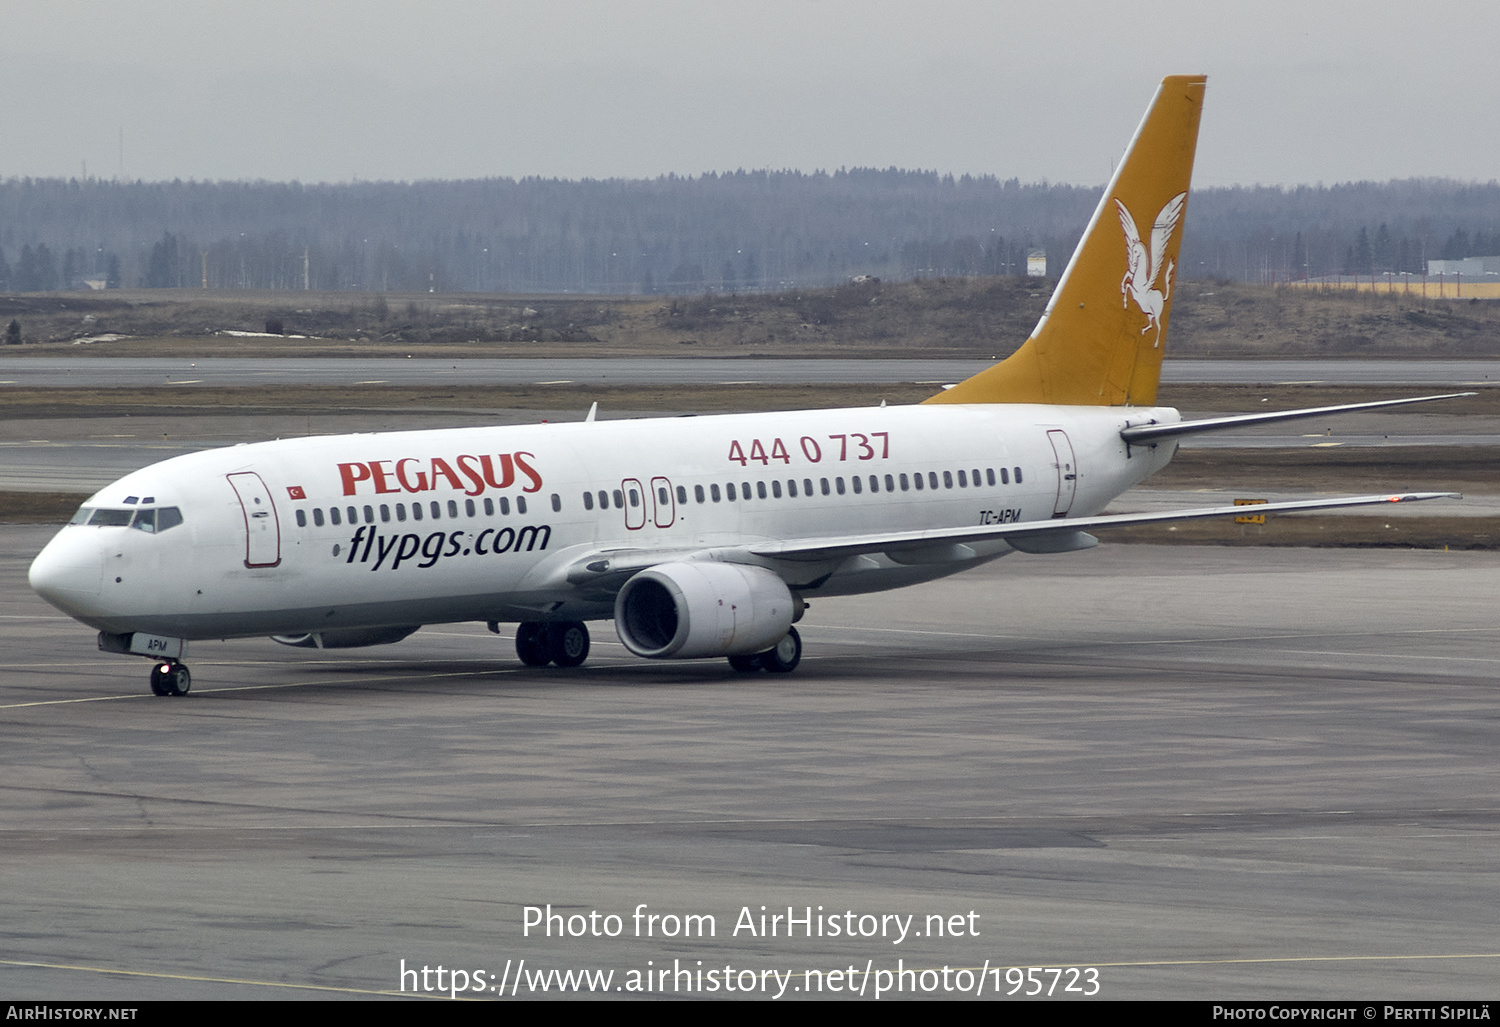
1067,471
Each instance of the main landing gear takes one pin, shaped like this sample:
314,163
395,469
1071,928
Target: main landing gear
564,643
170,678
782,659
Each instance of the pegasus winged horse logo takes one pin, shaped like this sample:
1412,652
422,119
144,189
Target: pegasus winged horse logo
1145,262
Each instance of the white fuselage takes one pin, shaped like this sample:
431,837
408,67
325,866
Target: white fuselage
408,528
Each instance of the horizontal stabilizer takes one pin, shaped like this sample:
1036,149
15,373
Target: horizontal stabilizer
1144,433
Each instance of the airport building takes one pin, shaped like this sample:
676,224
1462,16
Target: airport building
1475,268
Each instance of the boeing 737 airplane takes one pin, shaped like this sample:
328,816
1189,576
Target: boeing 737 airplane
699,537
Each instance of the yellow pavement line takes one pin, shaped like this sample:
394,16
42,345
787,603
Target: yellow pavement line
256,688
214,980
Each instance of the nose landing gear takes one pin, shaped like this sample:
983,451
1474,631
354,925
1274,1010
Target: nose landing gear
169,675
171,678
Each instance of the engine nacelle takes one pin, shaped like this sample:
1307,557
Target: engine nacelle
346,638
685,610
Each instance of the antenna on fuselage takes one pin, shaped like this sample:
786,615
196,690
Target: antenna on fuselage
593,409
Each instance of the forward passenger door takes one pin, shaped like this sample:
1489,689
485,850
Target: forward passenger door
262,526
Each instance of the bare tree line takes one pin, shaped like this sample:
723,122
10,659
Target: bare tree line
739,231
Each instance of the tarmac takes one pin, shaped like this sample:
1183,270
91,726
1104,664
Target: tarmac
1162,772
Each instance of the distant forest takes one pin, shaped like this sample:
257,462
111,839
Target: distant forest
735,232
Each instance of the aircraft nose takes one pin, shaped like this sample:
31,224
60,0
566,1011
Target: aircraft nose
69,572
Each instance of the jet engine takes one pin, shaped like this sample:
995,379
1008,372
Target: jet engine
347,638
685,610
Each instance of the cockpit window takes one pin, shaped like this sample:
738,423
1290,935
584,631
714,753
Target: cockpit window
151,521
111,518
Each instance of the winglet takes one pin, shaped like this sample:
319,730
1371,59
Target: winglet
1101,339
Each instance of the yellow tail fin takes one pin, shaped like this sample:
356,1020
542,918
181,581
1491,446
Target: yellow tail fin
1100,340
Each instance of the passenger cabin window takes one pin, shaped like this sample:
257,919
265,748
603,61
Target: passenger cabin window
556,503
520,505
317,517
301,518
588,500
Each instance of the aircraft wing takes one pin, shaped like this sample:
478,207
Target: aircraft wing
1058,535
1138,434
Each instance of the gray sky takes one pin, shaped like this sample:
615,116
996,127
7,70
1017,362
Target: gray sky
330,90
